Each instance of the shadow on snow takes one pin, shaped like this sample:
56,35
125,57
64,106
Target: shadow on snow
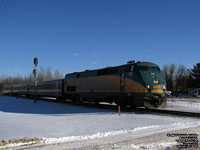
27,106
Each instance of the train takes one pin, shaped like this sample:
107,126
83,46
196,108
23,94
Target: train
134,84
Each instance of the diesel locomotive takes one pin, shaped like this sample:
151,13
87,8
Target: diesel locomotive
135,84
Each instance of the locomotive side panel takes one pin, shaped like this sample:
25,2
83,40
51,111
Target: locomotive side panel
109,85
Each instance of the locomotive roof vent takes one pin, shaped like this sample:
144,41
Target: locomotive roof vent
131,62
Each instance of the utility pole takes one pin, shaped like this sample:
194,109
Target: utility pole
35,76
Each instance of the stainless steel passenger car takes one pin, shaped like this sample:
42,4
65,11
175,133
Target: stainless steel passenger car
19,89
51,88
7,89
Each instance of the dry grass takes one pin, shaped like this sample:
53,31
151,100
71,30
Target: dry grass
5,142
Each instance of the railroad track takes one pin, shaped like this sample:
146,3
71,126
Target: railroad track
124,109
178,113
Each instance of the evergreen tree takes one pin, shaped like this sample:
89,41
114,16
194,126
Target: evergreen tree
194,77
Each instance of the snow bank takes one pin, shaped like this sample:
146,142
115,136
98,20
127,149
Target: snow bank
136,131
95,136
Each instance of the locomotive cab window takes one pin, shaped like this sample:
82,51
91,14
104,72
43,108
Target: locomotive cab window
129,68
155,68
132,67
143,68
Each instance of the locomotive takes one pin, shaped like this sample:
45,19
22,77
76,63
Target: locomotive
135,84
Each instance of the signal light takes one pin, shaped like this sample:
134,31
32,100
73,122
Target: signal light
35,61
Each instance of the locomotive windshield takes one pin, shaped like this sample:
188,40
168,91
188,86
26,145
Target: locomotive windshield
155,68
148,68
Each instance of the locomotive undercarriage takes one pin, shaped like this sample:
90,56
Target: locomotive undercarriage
135,100
154,102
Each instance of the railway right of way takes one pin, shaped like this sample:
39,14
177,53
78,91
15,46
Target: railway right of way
139,110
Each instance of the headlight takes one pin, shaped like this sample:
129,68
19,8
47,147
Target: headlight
155,81
164,87
148,86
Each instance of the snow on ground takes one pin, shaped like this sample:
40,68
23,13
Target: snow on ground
152,146
20,117
184,104
191,99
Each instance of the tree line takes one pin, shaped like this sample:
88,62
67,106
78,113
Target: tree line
180,79
43,74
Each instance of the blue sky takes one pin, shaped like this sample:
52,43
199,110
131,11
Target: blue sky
75,35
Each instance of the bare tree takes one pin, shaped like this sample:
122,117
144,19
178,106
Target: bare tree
169,71
181,77
48,75
41,74
58,74
165,71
